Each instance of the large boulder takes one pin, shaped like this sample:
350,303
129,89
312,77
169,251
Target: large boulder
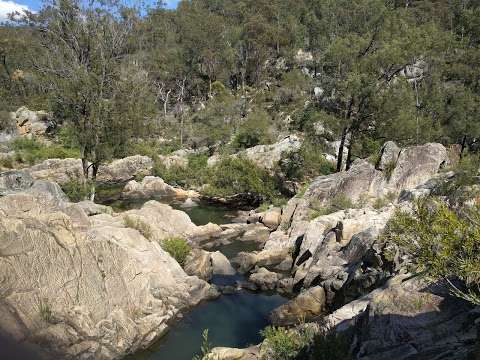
206,264
60,171
152,186
264,279
306,306
125,169
94,291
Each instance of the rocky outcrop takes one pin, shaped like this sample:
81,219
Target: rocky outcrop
234,232
90,288
125,169
14,181
32,123
205,264
60,171
408,319
90,208
414,166
152,186
264,279
266,156
306,306
223,353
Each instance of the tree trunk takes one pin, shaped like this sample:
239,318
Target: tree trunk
340,149
349,154
94,181
464,145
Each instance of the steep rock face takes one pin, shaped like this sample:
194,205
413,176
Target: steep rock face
408,319
82,288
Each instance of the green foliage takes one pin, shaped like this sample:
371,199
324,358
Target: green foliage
441,242
284,344
331,346
6,122
308,163
337,203
254,131
381,202
45,311
233,176
139,225
461,187
33,151
193,175
178,248
7,162
76,189
388,170
205,348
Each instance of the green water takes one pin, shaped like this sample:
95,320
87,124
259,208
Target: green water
232,250
232,320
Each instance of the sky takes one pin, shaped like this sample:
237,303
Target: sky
9,6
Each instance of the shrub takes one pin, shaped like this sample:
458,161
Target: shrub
178,248
205,348
389,168
142,227
331,346
32,151
441,243
193,175
284,344
309,162
241,176
45,311
337,203
76,190
6,162
254,131
6,122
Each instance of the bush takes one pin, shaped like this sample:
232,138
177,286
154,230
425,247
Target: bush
241,176
308,163
254,131
33,151
331,346
178,248
6,122
440,242
337,203
284,344
140,226
76,190
193,175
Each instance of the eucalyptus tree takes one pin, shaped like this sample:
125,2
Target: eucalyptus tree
85,59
